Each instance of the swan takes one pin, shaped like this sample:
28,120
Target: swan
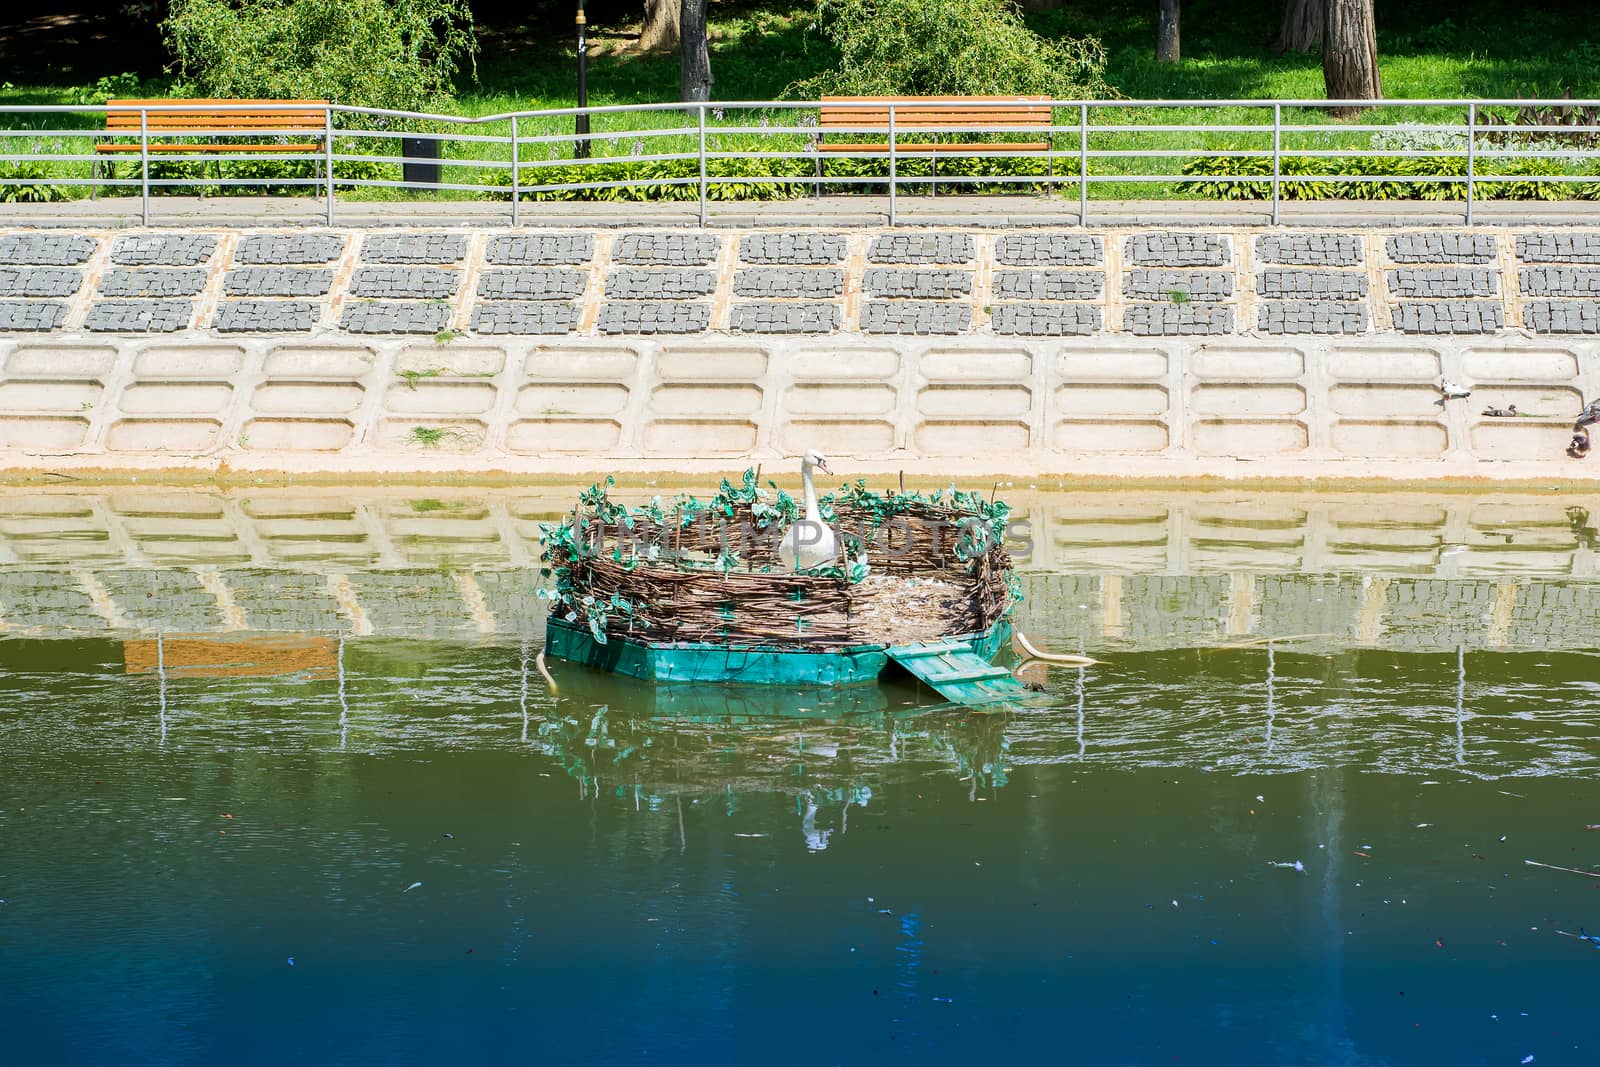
810,542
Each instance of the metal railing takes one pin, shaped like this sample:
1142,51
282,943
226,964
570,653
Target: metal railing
1271,150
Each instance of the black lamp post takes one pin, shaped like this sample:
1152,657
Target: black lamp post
580,148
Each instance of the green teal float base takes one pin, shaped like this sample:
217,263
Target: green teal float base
696,662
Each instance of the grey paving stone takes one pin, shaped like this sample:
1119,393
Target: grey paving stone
139,316
1177,320
1449,317
666,249
1442,282
524,317
163,249
915,317
1559,247
556,284
31,316
413,248
784,318
1312,284
288,248
384,317
1560,281
1159,285
815,249
1311,316
1428,247
915,284
1562,316
152,283
405,283
1048,284
767,282
1049,250
267,316
921,248
1310,249
46,249
1046,320
39,281
540,249
1177,250
277,281
647,317
630,283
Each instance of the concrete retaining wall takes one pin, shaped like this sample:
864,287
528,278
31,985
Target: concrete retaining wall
1117,352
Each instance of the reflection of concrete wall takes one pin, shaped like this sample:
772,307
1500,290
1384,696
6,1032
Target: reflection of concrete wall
1144,569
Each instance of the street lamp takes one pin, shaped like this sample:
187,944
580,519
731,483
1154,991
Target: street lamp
580,147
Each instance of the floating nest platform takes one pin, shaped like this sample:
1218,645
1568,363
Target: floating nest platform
675,592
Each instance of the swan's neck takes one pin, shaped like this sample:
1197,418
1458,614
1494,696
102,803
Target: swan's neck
813,513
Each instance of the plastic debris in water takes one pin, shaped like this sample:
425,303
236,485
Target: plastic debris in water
291,961
1528,1058
1297,865
413,885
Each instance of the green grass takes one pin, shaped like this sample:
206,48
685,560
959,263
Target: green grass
1486,48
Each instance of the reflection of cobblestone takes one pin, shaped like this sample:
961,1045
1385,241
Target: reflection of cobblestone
161,599
47,599
285,600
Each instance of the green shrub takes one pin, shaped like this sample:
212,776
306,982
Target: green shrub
1373,178
33,186
400,54
949,47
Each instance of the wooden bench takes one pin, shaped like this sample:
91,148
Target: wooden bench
307,118
927,115
920,114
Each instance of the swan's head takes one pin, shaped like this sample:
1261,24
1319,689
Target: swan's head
817,460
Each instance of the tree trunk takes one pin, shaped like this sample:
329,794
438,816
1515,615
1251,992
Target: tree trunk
1350,54
1302,26
695,77
1167,32
660,33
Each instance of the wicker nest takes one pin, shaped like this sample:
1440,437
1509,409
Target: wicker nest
922,581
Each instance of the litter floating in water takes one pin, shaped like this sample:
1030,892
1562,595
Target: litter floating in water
1297,865
1569,870
413,885
291,961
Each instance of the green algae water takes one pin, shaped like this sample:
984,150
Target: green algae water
280,780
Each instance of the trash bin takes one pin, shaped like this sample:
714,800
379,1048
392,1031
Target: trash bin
421,148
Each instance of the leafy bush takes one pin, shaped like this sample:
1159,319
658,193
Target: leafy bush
400,54
1344,178
949,47
778,179
32,178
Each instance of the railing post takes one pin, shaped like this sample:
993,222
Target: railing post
1083,164
516,176
1277,157
893,213
1472,156
144,166
702,164
327,157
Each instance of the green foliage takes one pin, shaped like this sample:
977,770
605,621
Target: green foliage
949,47
1374,178
401,54
31,180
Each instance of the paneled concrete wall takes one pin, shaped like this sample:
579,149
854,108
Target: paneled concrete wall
1121,352
1114,406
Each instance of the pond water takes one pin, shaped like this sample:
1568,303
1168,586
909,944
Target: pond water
280,779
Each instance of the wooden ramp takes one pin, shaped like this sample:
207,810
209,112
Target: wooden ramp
956,673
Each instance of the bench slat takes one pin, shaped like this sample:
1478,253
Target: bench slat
156,149
923,146
242,118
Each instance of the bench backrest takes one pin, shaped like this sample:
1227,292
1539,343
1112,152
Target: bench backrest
307,116
921,112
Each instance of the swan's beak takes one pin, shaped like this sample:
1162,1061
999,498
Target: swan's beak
822,465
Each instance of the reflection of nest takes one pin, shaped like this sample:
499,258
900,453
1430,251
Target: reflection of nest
919,587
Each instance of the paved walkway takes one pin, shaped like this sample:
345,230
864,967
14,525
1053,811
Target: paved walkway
829,211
